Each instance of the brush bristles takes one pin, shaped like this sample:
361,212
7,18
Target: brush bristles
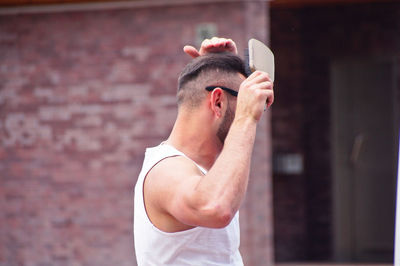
246,62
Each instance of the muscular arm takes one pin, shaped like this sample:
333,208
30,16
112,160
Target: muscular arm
222,190
211,200
186,196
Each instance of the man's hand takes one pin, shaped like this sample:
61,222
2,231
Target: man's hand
254,93
215,45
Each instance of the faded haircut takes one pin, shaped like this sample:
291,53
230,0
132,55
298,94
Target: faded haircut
211,69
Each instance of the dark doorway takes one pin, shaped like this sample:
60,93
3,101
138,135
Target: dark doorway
364,159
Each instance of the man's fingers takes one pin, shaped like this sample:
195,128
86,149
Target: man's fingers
218,41
225,44
230,45
190,50
257,77
206,43
217,45
258,73
213,45
264,86
270,98
260,85
265,93
266,89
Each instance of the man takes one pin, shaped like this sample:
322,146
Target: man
191,186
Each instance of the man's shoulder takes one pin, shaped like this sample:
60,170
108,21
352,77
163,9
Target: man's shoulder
174,167
167,179
162,151
168,166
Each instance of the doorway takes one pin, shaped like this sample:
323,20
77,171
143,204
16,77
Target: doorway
364,139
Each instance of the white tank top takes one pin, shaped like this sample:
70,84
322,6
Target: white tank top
198,246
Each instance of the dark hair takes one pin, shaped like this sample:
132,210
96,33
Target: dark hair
212,67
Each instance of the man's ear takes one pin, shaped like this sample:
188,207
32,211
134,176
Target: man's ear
216,101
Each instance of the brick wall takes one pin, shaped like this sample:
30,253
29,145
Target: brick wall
81,95
305,41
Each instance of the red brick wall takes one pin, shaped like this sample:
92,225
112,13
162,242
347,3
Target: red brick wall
305,41
81,96
287,116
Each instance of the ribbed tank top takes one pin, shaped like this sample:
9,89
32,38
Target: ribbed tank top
198,246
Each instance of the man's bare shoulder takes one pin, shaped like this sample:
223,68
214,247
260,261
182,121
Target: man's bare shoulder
171,172
165,189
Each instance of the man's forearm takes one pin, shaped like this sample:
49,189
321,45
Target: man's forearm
226,183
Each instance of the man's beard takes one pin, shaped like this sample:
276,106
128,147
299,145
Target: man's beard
226,124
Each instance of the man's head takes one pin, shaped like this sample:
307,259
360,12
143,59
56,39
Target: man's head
222,70
218,69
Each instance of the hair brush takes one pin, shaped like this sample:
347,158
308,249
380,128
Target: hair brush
259,57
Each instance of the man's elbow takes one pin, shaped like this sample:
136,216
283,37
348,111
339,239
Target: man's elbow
219,216
224,219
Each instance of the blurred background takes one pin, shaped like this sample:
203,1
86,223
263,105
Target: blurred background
86,86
